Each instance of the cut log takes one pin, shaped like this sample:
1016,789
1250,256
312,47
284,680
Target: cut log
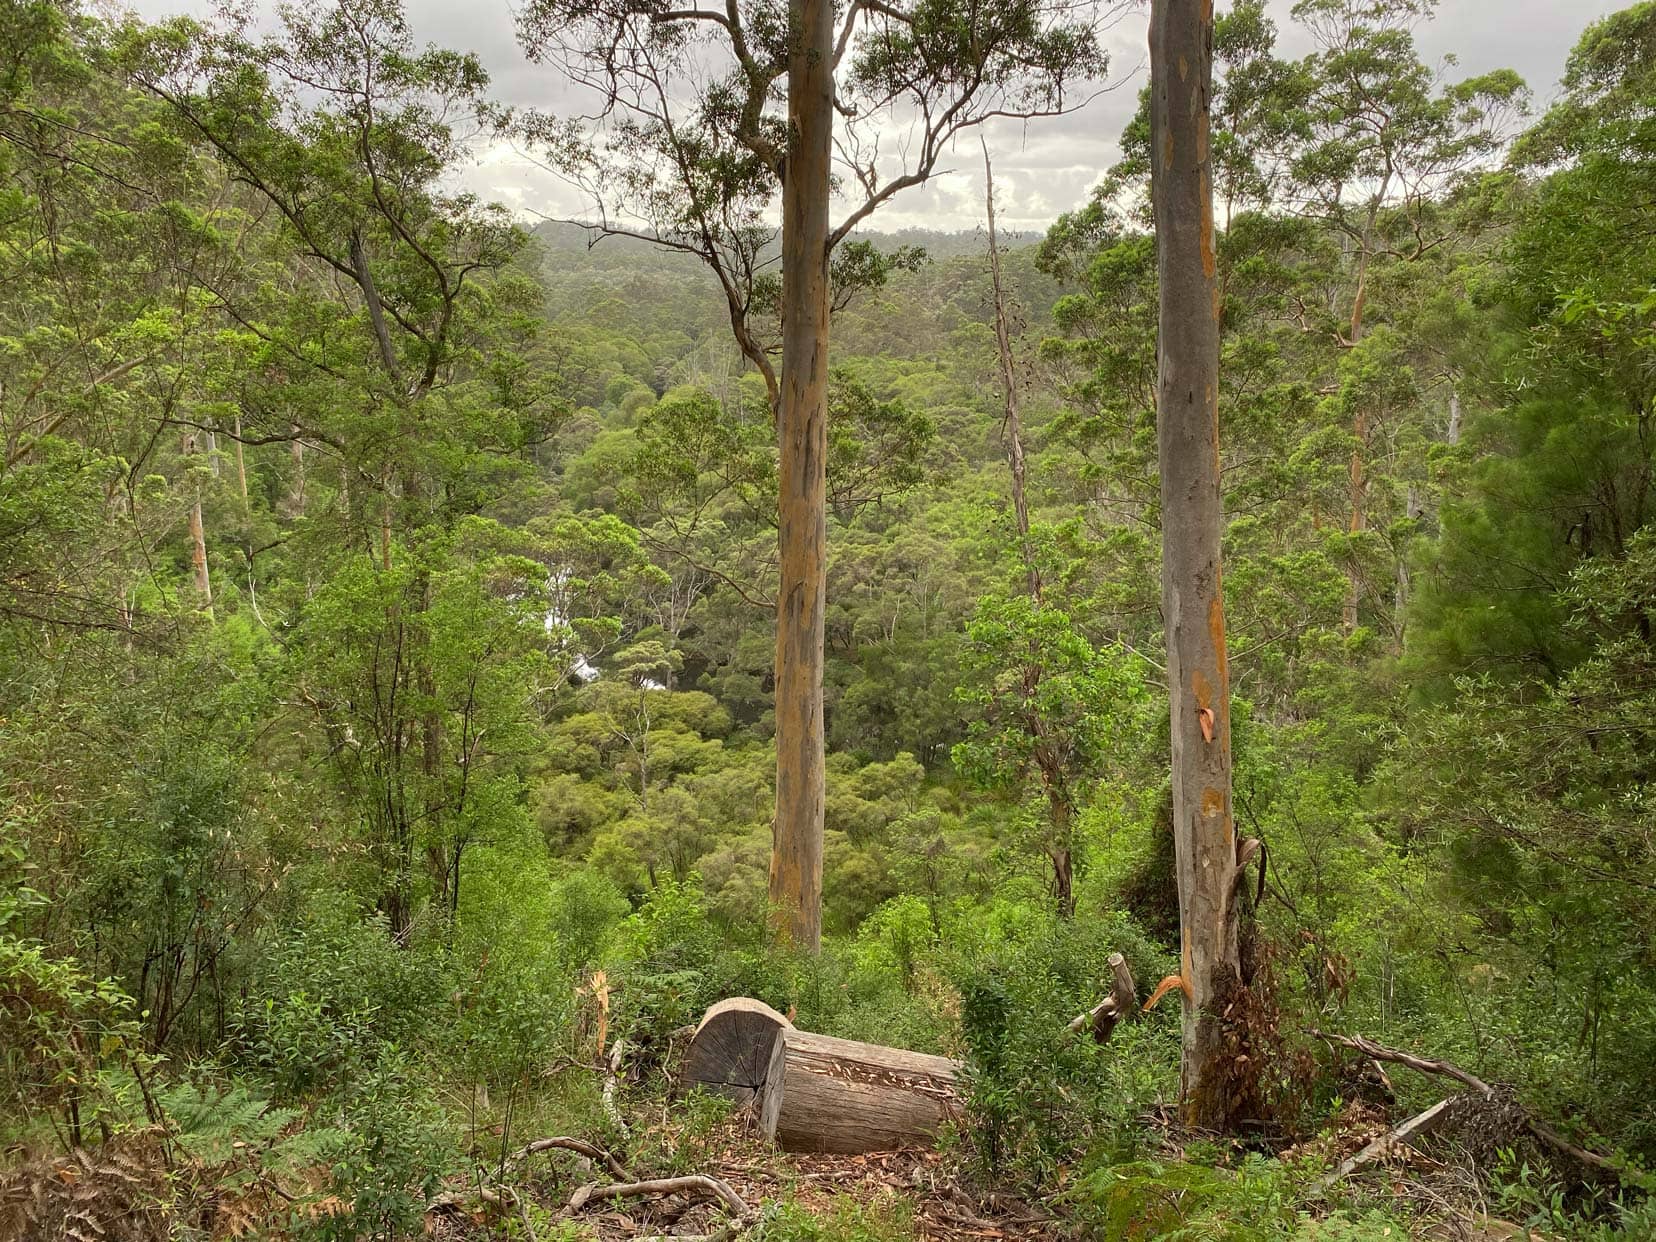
837,1095
730,1052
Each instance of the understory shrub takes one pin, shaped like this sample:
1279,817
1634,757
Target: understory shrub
1037,1095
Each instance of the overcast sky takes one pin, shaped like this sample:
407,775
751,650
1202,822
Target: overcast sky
1041,170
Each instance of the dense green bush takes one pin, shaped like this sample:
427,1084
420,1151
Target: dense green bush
1038,1095
330,995
398,1147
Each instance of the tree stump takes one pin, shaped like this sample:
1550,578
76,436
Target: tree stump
730,1052
837,1095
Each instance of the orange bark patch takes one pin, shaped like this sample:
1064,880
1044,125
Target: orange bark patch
1202,688
1213,802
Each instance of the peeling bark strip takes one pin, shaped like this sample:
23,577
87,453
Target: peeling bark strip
838,1095
1187,408
802,433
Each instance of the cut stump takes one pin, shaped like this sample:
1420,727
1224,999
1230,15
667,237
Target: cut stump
836,1095
731,1049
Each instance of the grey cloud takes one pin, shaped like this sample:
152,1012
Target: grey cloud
1042,169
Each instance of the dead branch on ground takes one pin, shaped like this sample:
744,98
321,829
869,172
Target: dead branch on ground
580,1147
1428,1065
695,1183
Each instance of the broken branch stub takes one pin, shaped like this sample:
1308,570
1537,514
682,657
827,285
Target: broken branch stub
1121,1003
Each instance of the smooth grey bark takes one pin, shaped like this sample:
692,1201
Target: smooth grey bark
198,542
1187,420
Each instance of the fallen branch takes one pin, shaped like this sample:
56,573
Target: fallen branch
564,1143
1591,1159
1420,1123
969,1220
695,1183
725,1233
1427,1065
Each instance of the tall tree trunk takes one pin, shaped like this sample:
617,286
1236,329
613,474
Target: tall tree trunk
802,431
295,505
241,461
1356,488
1181,73
198,542
1356,475
434,806
1009,384
385,525
1060,850
1060,819
198,557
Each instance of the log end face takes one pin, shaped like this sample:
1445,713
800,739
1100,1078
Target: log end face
729,1053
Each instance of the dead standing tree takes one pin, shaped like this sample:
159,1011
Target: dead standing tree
706,115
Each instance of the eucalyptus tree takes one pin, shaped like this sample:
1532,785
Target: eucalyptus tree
1381,138
705,116
384,333
1561,472
1211,859
110,228
1046,707
347,131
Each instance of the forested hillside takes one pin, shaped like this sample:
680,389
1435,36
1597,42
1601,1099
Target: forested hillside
389,606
